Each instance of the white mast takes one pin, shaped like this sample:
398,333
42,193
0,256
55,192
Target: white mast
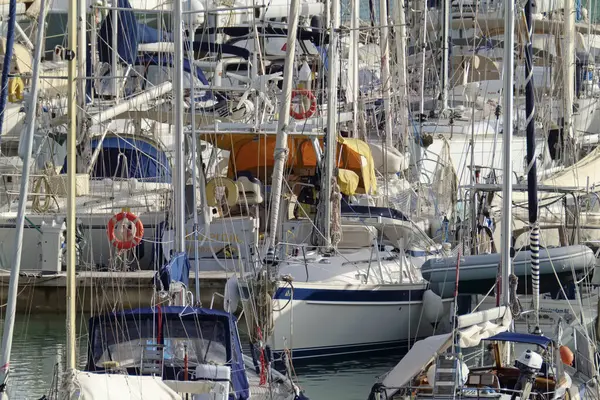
71,362
179,178
400,28
385,70
423,61
506,241
568,58
196,166
9,321
445,54
353,64
331,137
281,150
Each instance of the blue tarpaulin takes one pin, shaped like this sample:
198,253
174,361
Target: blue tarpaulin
129,158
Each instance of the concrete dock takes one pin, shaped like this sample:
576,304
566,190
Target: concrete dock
100,291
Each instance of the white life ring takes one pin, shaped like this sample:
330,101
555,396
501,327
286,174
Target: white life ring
231,191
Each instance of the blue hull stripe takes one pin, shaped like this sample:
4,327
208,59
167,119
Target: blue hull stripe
347,349
340,295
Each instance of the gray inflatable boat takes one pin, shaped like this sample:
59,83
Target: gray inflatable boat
477,274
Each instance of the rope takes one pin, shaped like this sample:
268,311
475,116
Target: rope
515,303
37,186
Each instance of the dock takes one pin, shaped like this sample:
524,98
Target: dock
101,291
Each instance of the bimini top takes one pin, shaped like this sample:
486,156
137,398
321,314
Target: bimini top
527,338
202,335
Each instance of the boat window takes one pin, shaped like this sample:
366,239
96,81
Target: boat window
480,356
124,342
205,342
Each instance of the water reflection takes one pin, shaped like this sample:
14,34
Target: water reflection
39,344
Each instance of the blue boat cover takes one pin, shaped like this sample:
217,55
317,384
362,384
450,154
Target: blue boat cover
214,325
127,35
516,337
144,161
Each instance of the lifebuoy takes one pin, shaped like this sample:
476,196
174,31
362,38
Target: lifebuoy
231,191
125,230
306,113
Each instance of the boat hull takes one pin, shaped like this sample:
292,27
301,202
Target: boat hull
320,320
477,274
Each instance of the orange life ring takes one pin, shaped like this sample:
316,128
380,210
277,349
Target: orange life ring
306,113
130,232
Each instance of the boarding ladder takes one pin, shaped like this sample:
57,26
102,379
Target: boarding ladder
446,375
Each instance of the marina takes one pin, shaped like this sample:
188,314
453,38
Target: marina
299,199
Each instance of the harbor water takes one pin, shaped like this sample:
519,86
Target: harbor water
39,350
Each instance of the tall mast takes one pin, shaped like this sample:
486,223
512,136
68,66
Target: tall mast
445,53
353,64
400,28
281,144
506,237
331,136
532,196
11,306
71,174
385,69
179,183
568,57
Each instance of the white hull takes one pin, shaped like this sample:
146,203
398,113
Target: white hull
328,320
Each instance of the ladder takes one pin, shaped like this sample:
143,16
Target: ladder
446,374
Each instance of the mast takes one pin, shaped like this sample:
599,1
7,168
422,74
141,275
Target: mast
353,65
71,56
506,237
534,238
331,136
281,149
400,29
385,69
179,182
445,54
568,57
9,321
196,166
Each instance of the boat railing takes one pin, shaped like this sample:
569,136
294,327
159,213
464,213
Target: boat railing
426,392
11,182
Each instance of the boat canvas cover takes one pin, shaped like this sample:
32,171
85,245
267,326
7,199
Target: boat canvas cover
144,323
583,173
90,386
419,356
473,328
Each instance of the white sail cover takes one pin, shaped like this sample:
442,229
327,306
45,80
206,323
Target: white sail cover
472,329
583,173
90,386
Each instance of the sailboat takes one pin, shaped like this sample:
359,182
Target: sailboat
450,366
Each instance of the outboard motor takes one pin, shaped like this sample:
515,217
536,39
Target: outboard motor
529,364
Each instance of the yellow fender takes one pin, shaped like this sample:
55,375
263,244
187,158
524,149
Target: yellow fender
15,89
231,191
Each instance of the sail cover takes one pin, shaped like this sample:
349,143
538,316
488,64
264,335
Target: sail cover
92,386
